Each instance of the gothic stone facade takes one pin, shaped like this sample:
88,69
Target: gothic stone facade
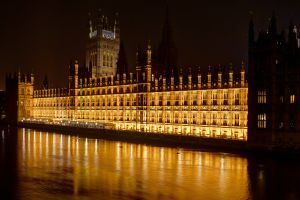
198,105
102,46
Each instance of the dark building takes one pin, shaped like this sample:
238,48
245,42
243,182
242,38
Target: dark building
273,95
2,105
12,92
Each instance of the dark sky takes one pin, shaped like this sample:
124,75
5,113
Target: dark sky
44,36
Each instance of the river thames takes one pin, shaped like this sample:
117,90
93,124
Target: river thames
44,165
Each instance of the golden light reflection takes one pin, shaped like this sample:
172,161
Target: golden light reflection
113,168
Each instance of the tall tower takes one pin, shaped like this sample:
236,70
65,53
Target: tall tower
167,51
103,45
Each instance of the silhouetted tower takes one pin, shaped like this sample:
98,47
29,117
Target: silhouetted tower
122,66
167,52
45,84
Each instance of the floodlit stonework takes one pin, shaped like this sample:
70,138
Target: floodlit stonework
145,102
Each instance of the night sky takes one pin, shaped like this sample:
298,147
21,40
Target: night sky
44,36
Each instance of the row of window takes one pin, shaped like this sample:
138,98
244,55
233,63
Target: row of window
132,103
262,97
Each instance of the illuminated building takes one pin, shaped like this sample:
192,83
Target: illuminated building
168,101
274,86
146,103
2,105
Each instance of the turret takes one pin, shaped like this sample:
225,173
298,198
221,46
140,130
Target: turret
45,82
148,67
32,78
164,81
19,75
111,79
172,80
209,77
180,79
76,66
251,33
243,74
124,78
199,79
118,79
117,26
230,75
190,79
292,36
138,64
219,77
156,83
131,77
273,25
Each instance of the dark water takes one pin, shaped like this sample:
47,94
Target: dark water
40,165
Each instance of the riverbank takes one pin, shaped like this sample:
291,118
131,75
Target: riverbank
145,138
167,140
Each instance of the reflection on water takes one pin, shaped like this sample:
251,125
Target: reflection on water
56,166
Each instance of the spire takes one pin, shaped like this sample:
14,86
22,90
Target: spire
116,18
273,25
122,66
149,52
138,56
90,24
251,31
243,66
117,25
99,16
167,52
45,82
292,35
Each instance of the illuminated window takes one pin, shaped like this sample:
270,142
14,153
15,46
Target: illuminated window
185,98
194,99
225,119
262,120
292,98
160,117
214,119
177,100
281,99
236,119
104,59
214,95
160,100
225,94
111,61
237,98
203,119
261,96
194,119
176,118
204,98
143,76
185,118
168,100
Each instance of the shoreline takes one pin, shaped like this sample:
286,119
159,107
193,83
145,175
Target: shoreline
196,143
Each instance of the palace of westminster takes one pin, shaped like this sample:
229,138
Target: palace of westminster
258,105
